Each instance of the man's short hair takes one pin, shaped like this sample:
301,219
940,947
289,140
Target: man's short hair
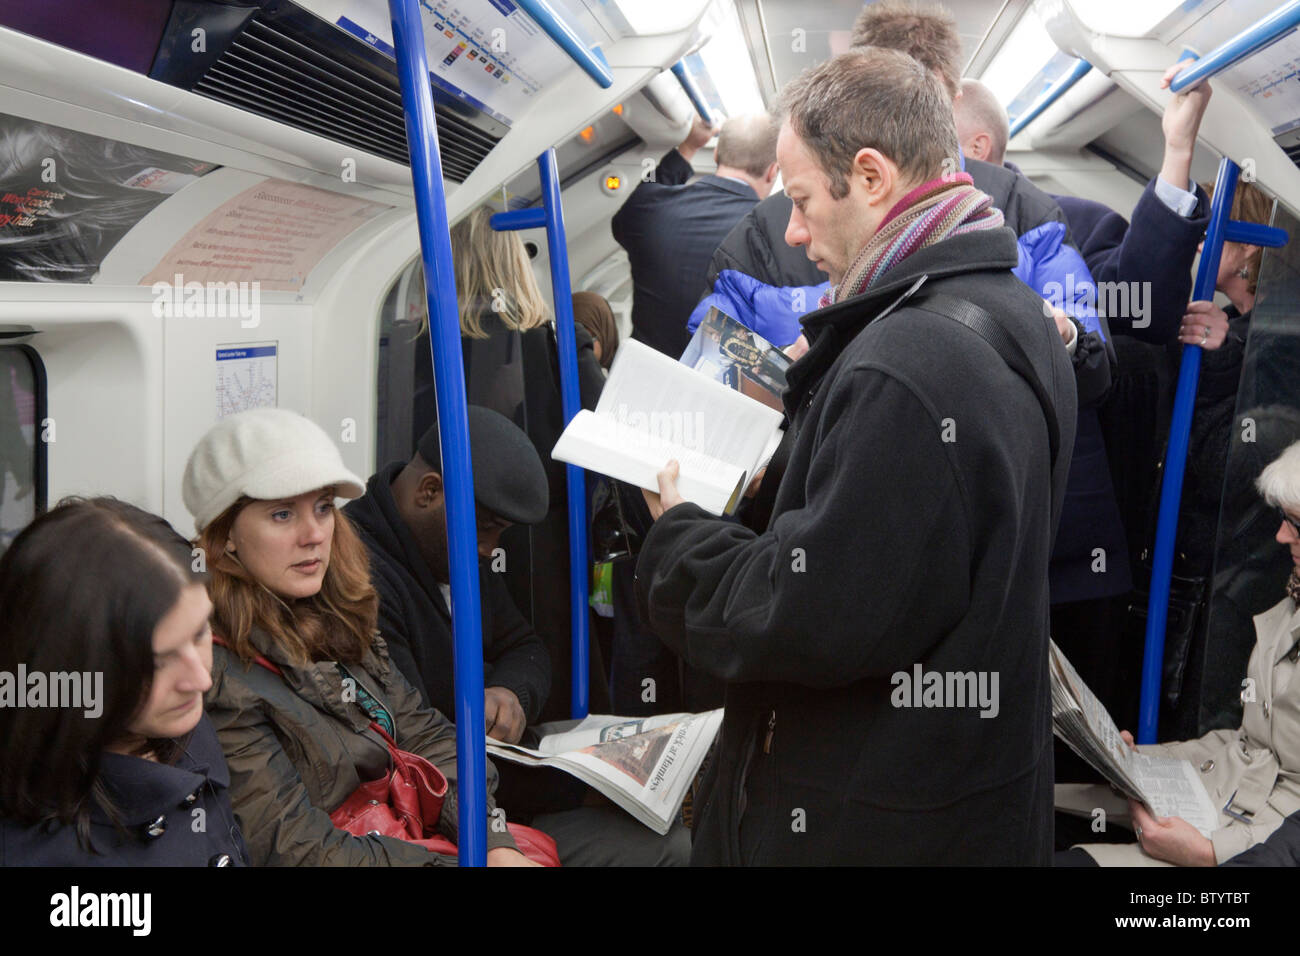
748,143
872,98
927,33
978,110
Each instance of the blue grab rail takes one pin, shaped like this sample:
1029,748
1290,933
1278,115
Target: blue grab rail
1282,20
1220,229
1049,96
551,216
453,428
558,30
693,91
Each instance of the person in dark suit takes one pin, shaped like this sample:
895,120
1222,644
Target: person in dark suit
670,228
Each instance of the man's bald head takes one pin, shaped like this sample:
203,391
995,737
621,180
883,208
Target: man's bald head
748,143
982,127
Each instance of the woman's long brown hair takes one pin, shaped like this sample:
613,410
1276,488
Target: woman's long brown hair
338,623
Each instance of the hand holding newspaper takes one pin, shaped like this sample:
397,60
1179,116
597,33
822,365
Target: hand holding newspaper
645,765
1167,786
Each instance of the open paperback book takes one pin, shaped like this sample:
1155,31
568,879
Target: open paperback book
654,409
644,764
1167,786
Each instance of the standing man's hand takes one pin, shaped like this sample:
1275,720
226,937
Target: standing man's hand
504,715
668,496
699,136
1181,124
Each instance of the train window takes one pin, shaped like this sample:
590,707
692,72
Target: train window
22,444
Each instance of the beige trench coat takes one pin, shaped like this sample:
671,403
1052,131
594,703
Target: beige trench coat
1252,773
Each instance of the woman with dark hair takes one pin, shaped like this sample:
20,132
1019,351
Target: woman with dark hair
301,678
108,759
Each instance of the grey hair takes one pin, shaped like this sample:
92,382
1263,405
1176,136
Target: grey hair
1279,484
748,143
979,111
872,98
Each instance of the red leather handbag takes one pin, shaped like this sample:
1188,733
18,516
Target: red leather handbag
407,801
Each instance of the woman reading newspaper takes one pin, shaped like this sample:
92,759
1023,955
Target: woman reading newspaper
1252,774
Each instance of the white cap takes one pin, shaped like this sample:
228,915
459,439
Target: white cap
267,454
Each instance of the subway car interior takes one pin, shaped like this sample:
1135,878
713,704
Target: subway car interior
214,206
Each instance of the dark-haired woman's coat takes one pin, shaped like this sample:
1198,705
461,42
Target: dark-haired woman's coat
171,814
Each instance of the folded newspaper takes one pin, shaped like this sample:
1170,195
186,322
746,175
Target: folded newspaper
644,764
1167,786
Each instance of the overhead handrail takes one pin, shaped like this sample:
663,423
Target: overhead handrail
453,428
551,216
693,91
555,27
1220,229
1049,96
1272,27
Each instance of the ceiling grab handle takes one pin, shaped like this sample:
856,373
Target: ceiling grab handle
551,216
1272,27
1049,96
554,26
453,428
693,91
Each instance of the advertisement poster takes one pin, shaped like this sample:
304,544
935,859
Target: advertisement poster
273,233
67,197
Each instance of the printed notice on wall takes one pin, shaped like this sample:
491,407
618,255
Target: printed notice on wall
246,377
273,233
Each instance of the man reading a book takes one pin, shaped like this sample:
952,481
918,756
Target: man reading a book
929,436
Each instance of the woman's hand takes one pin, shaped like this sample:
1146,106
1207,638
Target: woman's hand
1128,739
1171,839
504,856
1204,324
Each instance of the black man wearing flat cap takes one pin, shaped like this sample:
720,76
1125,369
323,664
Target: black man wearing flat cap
401,519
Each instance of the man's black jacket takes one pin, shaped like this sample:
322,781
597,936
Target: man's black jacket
416,622
670,229
912,526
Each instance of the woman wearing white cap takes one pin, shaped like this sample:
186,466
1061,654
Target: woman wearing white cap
291,591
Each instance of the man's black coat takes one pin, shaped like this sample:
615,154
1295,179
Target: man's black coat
912,526
416,622
670,229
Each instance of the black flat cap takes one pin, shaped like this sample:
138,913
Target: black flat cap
509,479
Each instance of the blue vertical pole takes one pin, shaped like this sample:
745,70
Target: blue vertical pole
579,563
551,218
1171,489
453,428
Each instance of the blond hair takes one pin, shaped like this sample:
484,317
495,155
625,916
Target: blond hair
493,274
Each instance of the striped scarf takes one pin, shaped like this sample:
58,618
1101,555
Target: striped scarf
930,213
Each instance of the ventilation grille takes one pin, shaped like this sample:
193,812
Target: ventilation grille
268,72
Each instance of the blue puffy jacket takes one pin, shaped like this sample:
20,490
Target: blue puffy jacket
1047,265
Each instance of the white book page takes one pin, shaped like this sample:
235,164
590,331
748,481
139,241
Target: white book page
650,392
608,447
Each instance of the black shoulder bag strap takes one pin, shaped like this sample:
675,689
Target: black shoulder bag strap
1004,343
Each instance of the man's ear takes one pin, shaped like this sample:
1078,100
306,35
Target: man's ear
876,172
981,145
770,177
428,493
